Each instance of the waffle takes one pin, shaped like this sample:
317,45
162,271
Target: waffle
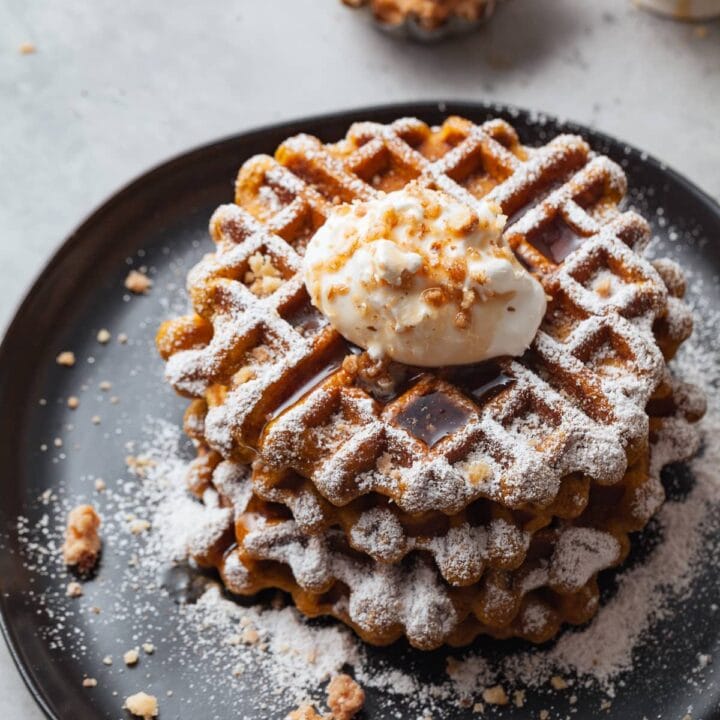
432,504
269,367
554,583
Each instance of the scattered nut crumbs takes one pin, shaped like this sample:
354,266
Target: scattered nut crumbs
100,485
74,590
558,683
82,540
519,698
89,682
96,419
142,705
495,695
262,278
478,708
66,358
105,385
104,336
138,282
605,704
148,648
107,660
139,465
131,657
138,526
250,636
345,697
57,442
544,715
73,402
27,48
122,338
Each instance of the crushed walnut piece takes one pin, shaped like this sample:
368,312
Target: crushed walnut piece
138,526
139,466
142,705
131,657
66,358
138,282
495,695
74,590
73,402
603,287
82,539
89,682
262,277
345,697
558,682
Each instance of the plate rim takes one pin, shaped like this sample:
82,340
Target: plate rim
349,115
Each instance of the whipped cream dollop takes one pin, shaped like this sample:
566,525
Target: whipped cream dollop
423,279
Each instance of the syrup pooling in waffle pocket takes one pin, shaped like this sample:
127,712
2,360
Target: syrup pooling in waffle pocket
337,442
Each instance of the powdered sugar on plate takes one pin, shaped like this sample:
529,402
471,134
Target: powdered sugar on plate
295,656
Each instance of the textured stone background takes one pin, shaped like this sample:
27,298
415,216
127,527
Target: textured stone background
116,87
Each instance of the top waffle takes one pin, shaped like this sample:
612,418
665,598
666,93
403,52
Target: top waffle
280,386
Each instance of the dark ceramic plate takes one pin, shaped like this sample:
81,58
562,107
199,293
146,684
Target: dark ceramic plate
157,219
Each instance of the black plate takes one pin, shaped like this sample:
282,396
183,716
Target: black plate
80,291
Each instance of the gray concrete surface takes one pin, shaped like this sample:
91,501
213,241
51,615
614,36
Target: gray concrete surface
115,87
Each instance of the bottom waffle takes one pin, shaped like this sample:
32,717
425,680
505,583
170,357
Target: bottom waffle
256,544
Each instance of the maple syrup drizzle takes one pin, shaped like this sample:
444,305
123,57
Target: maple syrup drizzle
432,417
557,240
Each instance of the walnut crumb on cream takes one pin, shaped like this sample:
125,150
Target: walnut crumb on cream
426,280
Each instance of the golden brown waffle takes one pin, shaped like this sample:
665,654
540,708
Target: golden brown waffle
553,583
436,504
573,405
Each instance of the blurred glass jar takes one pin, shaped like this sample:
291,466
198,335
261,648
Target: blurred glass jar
684,9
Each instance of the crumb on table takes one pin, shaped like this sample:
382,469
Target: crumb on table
142,705
345,697
82,539
89,682
27,48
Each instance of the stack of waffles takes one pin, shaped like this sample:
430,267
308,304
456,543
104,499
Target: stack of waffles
434,504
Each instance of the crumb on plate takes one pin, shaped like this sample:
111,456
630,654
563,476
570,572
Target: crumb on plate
131,657
82,539
142,705
138,282
345,697
66,358
74,590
